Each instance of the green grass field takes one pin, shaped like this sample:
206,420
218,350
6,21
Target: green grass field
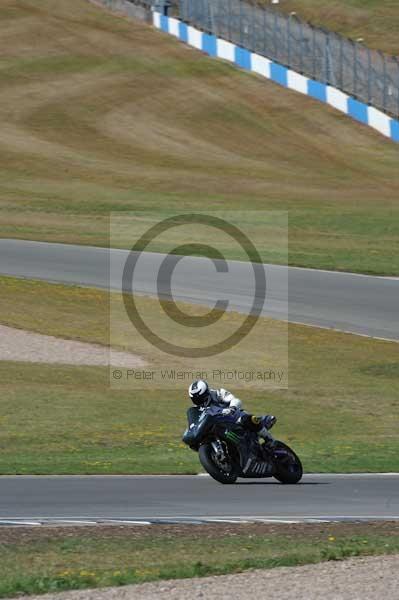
101,114
339,411
54,560
376,21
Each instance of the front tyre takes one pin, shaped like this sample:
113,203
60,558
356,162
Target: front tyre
287,465
222,473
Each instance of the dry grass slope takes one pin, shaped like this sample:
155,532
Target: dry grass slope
102,114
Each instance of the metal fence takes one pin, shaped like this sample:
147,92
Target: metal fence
369,75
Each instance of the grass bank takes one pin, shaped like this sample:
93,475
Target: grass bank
61,559
102,114
375,21
339,411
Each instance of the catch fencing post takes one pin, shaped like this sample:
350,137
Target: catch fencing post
301,45
264,32
275,35
341,58
396,89
241,24
253,30
369,76
354,68
385,82
327,57
314,52
211,17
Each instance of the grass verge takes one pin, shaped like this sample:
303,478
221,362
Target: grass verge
53,560
339,411
102,115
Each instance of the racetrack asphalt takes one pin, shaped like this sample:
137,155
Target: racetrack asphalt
360,304
185,497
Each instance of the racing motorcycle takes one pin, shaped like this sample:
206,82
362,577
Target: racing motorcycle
227,451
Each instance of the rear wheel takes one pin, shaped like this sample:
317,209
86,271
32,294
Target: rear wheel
288,467
222,472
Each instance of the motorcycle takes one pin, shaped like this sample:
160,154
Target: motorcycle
227,451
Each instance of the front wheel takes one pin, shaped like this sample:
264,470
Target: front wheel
223,473
288,467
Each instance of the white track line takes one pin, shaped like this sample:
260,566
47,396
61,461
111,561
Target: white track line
198,520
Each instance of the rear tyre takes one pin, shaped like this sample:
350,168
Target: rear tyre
208,461
288,467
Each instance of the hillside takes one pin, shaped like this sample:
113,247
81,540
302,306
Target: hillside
375,21
101,114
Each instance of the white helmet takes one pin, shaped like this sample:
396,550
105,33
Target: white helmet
199,392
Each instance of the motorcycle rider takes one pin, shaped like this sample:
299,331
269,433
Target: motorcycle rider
202,396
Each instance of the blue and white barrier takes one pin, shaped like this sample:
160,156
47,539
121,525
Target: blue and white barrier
214,46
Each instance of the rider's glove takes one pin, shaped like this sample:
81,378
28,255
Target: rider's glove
229,411
269,421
